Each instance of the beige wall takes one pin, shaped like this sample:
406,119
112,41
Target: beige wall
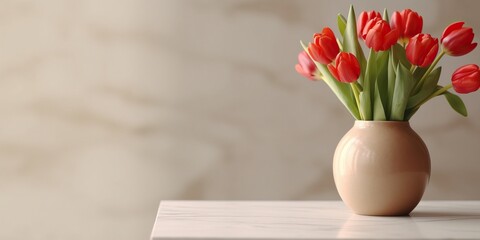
109,107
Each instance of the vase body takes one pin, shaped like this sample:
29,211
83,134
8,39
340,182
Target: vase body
381,168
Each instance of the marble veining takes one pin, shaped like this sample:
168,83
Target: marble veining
312,220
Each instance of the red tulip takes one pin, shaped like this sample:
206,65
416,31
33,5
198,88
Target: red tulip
346,69
324,47
408,23
378,35
364,18
457,40
466,79
305,66
422,49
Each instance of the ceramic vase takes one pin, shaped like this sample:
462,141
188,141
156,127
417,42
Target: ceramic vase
381,168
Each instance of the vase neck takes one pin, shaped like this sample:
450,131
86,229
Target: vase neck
368,124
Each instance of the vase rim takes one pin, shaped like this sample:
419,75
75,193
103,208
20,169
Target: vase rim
373,123
390,121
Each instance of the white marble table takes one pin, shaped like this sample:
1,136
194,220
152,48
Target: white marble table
311,220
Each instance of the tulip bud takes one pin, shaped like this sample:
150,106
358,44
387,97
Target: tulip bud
378,35
324,47
305,66
364,18
408,23
457,40
466,79
346,69
422,49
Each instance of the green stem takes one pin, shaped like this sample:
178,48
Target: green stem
318,75
429,70
436,93
356,93
413,68
358,86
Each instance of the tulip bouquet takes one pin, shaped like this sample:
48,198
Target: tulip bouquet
400,73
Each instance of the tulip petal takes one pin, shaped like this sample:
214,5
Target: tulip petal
345,73
333,71
452,27
328,32
396,21
370,24
362,20
355,65
390,39
412,51
408,23
466,50
466,79
372,40
306,62
330,47
317,54
300,70
464,71
413,24
461,36
430,56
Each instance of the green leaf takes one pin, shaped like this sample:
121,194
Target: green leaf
369,86
382,78
418,73
350,42
378,106
365,106
403,86
342,90
385,15
456,103
431,81
382,61
391,84
413,109
342,23
410,112
399,55
429,87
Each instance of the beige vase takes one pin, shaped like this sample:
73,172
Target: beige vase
381,168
